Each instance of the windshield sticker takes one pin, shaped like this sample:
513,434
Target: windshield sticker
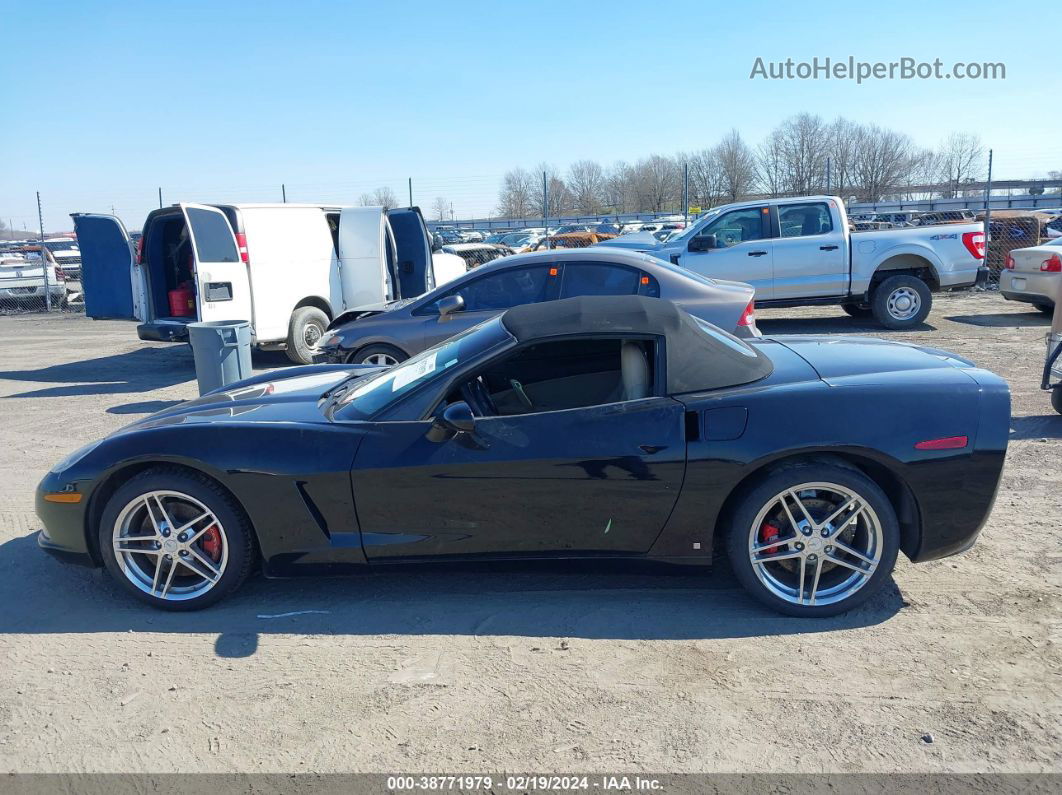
413,372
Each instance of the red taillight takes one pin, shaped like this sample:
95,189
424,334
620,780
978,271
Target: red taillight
241,241
59,275
1008,263
946,443
975,244
748,317
1052,264
140,251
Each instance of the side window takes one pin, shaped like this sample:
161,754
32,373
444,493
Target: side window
507,288
737,226
801,220
567,374
591,278
213,237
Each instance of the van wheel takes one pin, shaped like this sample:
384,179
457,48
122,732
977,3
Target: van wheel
308,324
378,355
901,302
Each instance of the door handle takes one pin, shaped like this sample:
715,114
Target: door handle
757,253
650,449
827,248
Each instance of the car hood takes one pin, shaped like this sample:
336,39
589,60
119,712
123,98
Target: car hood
368,310
293,396
836,359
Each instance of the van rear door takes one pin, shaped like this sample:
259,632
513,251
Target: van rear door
366,257
412,252
223,288
110,278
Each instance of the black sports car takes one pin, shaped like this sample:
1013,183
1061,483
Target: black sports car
615,427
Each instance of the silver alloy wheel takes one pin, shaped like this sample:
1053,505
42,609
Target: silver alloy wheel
158,541
380,360
829,544
903,303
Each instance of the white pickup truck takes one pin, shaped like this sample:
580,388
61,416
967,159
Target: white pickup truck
799,251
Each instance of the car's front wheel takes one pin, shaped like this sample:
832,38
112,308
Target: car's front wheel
175,539
814,539
379,355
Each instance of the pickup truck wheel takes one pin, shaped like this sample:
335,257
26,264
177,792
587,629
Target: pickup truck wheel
814,540
857,310
1056,399
308,324
379,355
901,302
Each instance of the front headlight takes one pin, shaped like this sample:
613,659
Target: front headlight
74,457
332,342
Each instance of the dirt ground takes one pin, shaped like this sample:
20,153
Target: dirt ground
526,670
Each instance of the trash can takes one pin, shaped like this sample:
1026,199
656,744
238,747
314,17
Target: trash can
222,351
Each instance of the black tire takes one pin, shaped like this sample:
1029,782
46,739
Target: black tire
307,327
1047,309
1056,399
857,310
233,526
378,354
763,494
887,302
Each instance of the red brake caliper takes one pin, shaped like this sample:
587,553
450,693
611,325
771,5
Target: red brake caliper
769,532
212,543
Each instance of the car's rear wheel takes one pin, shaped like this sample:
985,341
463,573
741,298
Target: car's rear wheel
378,355
308,324
857,310
175,539
901,302
814,539
1056,399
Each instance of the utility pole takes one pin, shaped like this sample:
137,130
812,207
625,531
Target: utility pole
284,192
827,176
545,210
160,198
44,257
686,192
411,191
988,206
451,212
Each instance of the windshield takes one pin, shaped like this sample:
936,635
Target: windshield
376,392
697,224
515,239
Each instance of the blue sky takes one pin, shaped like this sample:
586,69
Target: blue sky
226,101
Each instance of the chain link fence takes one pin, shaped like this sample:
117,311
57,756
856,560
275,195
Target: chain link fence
35,278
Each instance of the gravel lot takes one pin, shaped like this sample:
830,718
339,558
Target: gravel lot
524,670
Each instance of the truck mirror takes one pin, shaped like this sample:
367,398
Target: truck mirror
703,243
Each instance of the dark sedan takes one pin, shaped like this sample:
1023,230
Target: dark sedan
584,428
391,333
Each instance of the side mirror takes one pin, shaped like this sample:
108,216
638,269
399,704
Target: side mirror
456,418
703,243
448,305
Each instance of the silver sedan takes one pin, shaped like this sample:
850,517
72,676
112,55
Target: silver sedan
390,333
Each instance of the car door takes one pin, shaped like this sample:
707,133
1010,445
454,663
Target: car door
223,288
110,277
366,251
486,296
413,261
810,259
743,250
595,480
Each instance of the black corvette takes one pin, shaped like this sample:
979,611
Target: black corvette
583,428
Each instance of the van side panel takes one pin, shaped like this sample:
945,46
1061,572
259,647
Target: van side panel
291,258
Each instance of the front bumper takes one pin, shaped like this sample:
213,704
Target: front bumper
64,524
31,293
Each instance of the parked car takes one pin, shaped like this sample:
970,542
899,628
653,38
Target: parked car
67,255
618,427
571,240
799,251
309,264
476,254
945,217
1031,275
568,229
22,281
393,332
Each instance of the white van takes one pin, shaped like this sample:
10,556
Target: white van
289,269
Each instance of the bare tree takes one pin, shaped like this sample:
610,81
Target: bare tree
515,200
366,200
559,197
770,165
736,166
586,181
658,183
385,197
844,138
619,193
962,159
883,162
441,207
705,183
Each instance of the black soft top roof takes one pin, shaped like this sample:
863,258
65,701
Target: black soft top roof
699,355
